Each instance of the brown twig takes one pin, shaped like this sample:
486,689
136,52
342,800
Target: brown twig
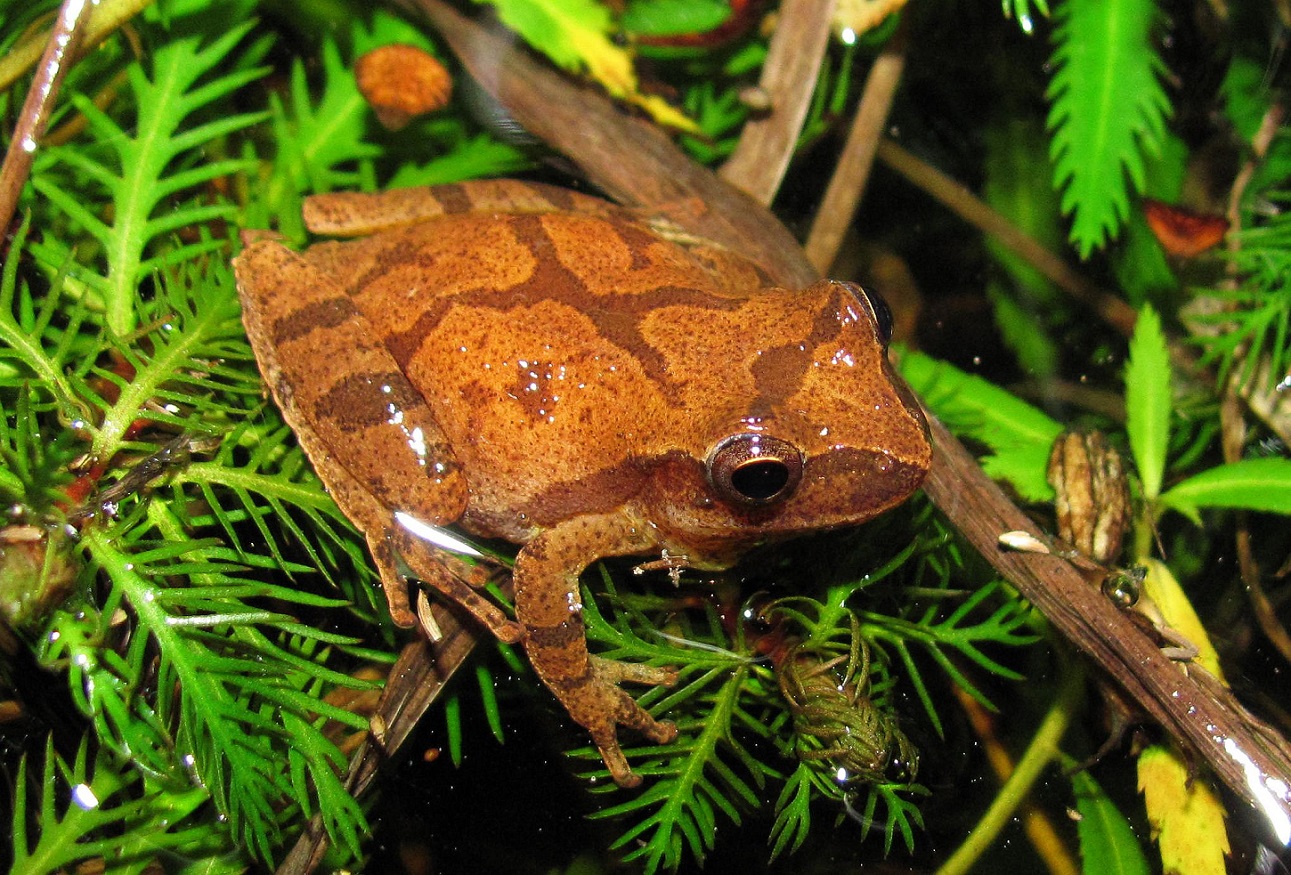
847,184
974,210
1202,717
1234,429
108,16
60,53
414,683
758,164
1233,440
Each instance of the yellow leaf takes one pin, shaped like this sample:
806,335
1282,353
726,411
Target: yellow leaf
606,63
576,35
664,112
1164,590
1187,818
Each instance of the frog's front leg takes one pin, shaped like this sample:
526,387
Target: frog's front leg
549,607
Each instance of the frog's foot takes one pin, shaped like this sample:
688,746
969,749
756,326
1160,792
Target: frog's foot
437,572
601,707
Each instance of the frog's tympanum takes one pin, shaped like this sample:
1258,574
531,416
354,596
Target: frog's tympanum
544,367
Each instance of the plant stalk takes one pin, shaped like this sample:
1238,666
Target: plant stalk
1039,754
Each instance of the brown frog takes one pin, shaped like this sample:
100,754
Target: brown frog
547,368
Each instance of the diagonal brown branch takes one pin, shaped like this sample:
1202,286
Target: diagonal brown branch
415,682
61,51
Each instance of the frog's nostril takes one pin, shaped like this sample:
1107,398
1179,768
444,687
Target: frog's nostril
754,469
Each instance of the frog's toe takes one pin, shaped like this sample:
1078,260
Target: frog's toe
633,716
660,731
615,672
612,754
614,709
509,632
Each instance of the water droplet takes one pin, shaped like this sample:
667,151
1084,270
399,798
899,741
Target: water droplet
84,797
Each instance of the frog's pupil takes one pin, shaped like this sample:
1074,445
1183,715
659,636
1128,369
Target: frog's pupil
760,479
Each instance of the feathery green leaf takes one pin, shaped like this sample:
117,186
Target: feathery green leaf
1107,111
148,168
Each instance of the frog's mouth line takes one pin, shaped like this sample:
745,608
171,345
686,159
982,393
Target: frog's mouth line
849,487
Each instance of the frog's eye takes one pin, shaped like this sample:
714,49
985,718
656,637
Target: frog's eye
754,469
878,309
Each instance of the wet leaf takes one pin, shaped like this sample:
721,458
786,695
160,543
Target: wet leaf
1186,816
1108,845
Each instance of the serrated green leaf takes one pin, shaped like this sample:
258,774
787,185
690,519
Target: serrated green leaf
1019,435
1108,111
1251,484
1108,845
1148,400
141,183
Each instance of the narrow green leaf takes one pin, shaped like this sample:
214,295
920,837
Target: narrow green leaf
1252,484
1148,400
1020,435
669,17
1107,844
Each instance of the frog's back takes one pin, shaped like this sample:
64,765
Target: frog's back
552,337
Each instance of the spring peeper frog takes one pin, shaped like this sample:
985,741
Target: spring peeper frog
544,367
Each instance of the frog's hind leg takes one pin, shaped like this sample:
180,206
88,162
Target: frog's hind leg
458,582
357,214
367,430
549,606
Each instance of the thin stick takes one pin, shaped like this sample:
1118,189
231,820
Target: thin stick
60,53
1020,778
975,211
415,682
108,16
852,172
789,77
1234,423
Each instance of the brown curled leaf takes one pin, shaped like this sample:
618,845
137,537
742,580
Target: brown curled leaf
1093,502
401,82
